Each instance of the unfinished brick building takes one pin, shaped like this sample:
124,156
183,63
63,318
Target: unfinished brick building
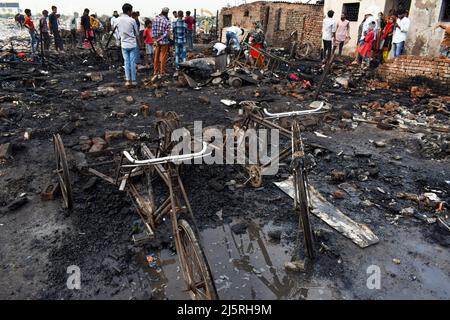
279,19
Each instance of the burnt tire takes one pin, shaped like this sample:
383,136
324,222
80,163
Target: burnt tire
196,271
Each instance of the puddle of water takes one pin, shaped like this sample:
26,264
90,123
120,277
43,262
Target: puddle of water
246,266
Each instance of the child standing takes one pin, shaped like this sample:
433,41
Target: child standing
148,42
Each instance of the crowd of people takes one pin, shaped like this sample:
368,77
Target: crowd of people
173,35
377,37
159,37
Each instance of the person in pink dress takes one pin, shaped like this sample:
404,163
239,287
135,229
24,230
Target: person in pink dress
342,34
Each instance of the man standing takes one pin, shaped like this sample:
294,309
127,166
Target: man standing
401,28
190,21
174,17
135,16
160,33
73,29
29,24
86,27
180,30
342,34
54,29
113,27
328,34
43,28
129,38
233,33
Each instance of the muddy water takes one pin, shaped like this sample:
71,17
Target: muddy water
245,266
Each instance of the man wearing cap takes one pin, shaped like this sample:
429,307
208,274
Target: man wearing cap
160,33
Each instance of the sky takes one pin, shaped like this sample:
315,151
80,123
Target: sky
147,8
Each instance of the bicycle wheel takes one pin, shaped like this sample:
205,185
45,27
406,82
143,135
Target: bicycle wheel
302,205
304,50
62,170
197,274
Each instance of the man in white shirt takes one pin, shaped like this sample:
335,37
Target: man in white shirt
401,29
328,34
233,33
129,39
113,27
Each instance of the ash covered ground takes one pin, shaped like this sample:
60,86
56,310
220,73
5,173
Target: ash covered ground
382,157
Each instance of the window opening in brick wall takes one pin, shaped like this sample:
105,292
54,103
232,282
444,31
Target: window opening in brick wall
278,20
445,11
227,18
351,11
246,13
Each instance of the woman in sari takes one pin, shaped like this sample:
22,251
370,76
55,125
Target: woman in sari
386,39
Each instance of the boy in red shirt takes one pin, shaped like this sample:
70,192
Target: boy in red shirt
29,24
148,39
190,21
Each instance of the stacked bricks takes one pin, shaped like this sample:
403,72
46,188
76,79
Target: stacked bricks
407,71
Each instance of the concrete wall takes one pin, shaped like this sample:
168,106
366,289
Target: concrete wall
423,39
306,19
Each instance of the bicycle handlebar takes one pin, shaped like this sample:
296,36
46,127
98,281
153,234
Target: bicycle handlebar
183,157
293,113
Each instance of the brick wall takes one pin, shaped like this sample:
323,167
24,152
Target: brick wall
305,18
407,71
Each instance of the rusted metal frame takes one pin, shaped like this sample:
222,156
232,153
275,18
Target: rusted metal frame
102,176
270,125
185,197
106,151
159,168
163,209
97,164
176,235
188,205
281,156
118,168
144,211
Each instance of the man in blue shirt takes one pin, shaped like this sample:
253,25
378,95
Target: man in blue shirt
180,30
54,28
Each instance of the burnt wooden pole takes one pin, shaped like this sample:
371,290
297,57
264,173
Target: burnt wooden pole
217,24
42,44
195,26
